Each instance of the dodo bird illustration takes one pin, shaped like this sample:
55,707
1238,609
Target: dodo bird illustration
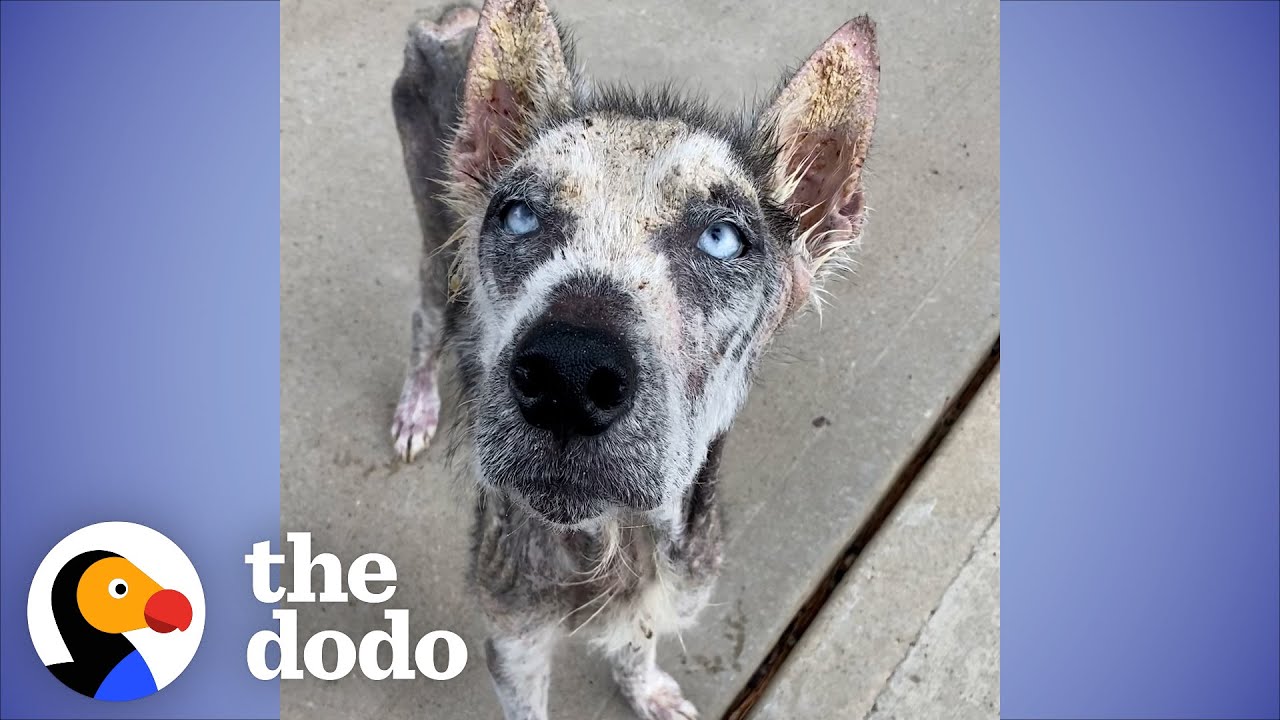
97,597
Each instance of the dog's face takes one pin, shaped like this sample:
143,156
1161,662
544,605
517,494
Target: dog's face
625,275
625,261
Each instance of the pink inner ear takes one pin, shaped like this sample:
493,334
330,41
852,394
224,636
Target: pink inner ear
827,196
489,132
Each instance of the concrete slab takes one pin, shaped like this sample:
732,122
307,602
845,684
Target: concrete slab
954,668
896,342
913,631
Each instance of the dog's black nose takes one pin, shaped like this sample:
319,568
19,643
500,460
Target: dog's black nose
572,380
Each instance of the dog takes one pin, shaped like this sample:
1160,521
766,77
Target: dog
607,268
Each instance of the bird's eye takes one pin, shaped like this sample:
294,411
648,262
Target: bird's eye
518,219
721,241
118,588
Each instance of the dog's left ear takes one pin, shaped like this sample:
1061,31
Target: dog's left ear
822,122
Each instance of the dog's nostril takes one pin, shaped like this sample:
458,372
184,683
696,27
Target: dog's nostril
606,389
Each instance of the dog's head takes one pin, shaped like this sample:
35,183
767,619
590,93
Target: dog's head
624,260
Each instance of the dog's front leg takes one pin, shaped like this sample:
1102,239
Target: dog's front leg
651,692
425,101
520,666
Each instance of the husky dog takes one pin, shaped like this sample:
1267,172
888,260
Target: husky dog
607,268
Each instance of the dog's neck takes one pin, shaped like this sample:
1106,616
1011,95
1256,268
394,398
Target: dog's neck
675,547
671,524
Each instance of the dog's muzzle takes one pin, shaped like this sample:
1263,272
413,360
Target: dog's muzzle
572,412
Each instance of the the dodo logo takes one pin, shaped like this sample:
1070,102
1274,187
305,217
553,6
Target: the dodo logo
116,611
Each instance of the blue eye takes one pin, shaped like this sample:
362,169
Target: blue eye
518,219
721,241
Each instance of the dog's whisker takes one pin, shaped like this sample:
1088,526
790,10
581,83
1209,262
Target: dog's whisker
594,614
517,528
607,591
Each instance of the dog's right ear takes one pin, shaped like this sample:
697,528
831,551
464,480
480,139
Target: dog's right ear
517,72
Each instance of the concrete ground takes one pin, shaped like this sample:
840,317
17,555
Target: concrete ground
913,631
831,424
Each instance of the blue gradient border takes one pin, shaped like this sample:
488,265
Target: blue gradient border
139,314
1141,350
139,339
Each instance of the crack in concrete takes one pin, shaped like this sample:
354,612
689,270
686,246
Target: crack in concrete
825,588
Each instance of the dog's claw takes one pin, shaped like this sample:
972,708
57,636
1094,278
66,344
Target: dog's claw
676,708
417,414
410,442
660,699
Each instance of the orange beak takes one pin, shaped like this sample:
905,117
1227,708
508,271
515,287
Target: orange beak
168,610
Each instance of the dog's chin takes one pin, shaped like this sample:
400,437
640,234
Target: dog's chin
566,502
561,512
573,485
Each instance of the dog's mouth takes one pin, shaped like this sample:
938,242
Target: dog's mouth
562,510
574,482
570,487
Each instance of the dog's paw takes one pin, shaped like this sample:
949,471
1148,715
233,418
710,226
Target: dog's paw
417,414
658,697
452,25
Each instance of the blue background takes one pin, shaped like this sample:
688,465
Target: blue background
139,343
139,302
1140,253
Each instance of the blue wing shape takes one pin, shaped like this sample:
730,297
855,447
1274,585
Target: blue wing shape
128,680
